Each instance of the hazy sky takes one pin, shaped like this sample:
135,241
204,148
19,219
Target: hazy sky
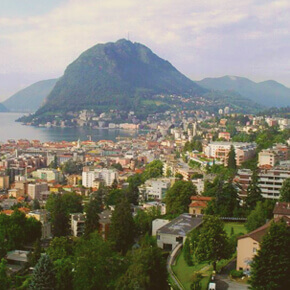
202,38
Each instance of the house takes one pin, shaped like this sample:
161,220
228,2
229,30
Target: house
173,233
198,204
281,209
249,244
105,222
43,216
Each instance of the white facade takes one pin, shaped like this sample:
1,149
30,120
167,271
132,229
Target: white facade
77,224
199,183
107,175
157,224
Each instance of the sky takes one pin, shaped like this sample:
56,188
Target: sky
201,38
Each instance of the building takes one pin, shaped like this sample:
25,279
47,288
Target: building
220,150
160,206
174,233
34,190
269,180
199,183
281,209
47,174
155,188
17,260
43,216
4,182
198,204
249,244
77,222
107,175
157,224
105,222
274,155
224,135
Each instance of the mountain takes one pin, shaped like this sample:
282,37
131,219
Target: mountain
120,75
268,93
30,98
3,108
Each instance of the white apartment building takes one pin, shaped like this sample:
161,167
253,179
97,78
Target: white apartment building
221,149
155,188
90,175
34,190
77,224
47,174
270,181
42,215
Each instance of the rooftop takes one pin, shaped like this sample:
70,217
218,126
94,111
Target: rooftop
181,225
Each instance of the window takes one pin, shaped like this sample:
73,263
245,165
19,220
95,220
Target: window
254,250
158,237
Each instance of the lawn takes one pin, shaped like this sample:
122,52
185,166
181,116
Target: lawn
184,272
238,228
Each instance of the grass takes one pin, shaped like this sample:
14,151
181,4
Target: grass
185,273
238,228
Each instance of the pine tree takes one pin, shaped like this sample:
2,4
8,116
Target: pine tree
93,209
36,254
122,229
271,266
4,279
285,191
232,164
253,191
43,277
35,204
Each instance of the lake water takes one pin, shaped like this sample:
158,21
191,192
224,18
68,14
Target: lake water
9,129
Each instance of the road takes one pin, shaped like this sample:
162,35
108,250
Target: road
224,283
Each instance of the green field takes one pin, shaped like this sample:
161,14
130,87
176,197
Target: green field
238,228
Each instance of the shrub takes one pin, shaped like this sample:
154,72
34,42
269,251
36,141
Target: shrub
237,274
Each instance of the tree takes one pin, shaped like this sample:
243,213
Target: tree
178,196
186,253
59,215
72,167
92,209
285,191
96,265
43,277
253,191
60,248
147,269
64,273
232,164
122,229
270,268
196,279
113,196
36,254
262,212
4,279
213,244
35,204
153,169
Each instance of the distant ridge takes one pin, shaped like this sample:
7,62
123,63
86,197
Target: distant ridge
30,98
3,109
268,93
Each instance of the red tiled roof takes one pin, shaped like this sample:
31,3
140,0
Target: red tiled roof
198,204
282,208
201,198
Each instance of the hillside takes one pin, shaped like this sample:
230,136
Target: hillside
30,98
268,93
116,75
3,108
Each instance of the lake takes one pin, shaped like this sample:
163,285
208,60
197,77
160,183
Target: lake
9,129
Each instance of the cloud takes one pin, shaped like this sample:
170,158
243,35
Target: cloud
202,38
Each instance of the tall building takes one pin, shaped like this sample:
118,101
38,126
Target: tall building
34,190
269,180
272,156
90,175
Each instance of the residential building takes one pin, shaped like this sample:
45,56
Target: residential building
249,244
157,205
220,150
47,174
77,221
107,175
34,190
198,204
43,216
17,260
272,156
4,182
269,180
157,224
105,222
155,188
281,209
174,233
